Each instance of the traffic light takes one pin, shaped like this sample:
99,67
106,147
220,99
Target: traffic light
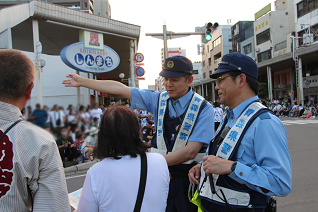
209,29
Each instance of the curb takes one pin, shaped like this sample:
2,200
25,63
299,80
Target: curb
79,168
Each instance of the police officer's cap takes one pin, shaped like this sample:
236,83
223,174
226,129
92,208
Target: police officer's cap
237,62
176,66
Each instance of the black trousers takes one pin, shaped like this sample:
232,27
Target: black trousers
178,200
69,153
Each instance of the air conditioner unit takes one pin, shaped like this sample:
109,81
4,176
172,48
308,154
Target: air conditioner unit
257,50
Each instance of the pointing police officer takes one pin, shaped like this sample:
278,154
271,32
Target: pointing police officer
248,160
184,122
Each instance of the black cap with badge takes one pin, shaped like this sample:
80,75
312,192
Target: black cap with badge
176,66
237,62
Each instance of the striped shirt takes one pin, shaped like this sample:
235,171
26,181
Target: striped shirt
29,157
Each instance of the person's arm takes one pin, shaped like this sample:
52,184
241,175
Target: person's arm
51,183
105,86
59,144
183,154
88,200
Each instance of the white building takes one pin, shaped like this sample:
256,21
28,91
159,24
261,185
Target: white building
213,52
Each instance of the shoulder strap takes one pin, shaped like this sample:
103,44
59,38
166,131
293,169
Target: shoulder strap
9,128
142,183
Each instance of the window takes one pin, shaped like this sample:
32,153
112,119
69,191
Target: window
203,75
247,49
264,56
230,38
263,37
210,61
195,71
208,49
210,72
203,63
216,42
306,6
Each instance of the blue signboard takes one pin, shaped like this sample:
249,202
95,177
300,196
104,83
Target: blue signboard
89,60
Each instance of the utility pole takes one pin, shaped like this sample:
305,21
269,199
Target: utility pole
170,35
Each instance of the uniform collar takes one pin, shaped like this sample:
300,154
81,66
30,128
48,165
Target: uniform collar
9,112
184,100
241,107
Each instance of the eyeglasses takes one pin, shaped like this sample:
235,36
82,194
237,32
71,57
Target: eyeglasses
220,79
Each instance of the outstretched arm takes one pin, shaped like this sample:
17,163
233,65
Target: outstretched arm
105,86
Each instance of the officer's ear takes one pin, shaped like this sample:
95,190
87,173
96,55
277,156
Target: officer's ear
189,80
241,80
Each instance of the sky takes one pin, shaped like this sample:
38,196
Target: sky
179,16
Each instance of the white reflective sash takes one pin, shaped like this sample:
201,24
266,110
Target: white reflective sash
186,127
225,150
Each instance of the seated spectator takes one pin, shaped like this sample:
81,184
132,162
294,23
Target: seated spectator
287,110
314,111
306,114
293,110
79,142
82,126
300,110
106,187
66,147
90,143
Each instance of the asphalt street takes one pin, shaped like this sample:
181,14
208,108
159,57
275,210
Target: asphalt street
303,146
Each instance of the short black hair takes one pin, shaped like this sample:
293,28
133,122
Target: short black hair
251,81
119,134
216,104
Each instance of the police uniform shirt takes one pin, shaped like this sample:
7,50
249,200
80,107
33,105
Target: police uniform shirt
203,130
263,158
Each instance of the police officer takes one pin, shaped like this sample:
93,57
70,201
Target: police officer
184,122
248,160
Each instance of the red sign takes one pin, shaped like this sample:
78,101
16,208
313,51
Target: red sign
139,57
173,53
140,71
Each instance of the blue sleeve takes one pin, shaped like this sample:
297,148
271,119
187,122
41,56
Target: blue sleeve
203,130
263,159
144,100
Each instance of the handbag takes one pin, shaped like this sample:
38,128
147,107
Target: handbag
142,183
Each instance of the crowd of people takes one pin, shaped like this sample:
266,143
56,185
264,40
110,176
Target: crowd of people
287,107
75,130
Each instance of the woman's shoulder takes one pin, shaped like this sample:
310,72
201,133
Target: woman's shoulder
155,157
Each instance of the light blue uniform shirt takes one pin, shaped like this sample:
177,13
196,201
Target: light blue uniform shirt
263,158
203,130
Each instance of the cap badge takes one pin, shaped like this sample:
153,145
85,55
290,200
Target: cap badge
170,64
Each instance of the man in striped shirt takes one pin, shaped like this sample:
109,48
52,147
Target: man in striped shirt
31,172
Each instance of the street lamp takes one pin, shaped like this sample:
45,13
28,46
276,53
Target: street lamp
121,76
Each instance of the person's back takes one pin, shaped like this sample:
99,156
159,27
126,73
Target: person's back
33,163
114,184
31,173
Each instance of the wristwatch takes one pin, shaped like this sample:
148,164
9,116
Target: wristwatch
233,166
